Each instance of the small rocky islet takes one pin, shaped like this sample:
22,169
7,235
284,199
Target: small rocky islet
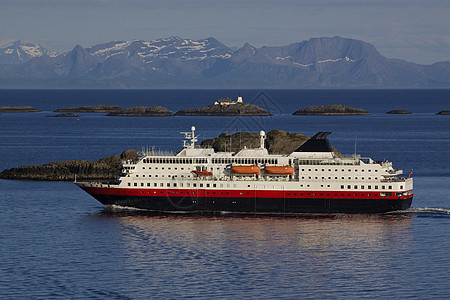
399,112
238,109
142,111
331,110
115,110
18,109
65,115
90,109
444,112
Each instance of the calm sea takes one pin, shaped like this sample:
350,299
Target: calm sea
58,242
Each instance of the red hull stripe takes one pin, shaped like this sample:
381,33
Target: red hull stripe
240,193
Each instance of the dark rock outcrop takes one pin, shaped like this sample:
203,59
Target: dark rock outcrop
91,109
444,112
399,112
277,141
237,109
67,115
108,168
331,110
18,109
142,111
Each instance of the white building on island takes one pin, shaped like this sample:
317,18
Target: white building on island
227,101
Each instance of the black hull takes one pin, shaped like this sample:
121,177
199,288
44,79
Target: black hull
257,205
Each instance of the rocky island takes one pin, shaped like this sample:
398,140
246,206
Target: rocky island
226,107
331,110
108,168
142,111
91,109
399,112
66,115
18,109
444,112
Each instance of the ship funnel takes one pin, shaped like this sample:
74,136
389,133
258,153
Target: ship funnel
262,137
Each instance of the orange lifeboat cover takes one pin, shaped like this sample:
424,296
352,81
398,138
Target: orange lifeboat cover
279,170
202,173
246,170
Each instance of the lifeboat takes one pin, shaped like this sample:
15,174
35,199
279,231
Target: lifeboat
279,170
245,170
202,173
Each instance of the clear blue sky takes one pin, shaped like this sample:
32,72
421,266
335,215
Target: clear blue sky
415,30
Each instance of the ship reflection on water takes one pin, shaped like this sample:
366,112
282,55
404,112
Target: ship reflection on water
316,253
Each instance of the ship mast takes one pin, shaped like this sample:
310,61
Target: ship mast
190,137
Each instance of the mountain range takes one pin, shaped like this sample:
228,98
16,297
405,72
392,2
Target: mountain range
333,62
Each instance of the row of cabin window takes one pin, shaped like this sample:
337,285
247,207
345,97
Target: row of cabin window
369,187
174,160
181,160
318,162
245,161
343,170
325,178
174,184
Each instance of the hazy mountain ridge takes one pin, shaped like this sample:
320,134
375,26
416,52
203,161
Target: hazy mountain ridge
17,52
182,63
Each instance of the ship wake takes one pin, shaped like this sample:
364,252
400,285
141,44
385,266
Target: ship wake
426,212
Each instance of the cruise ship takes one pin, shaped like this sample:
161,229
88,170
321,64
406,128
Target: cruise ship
312,179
